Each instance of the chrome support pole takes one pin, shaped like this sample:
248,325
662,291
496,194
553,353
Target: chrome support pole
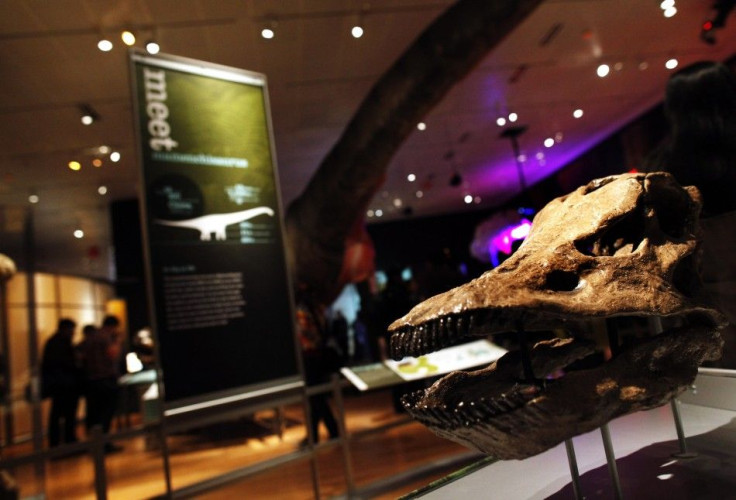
574,473
611,460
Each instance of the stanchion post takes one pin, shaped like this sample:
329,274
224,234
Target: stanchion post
98,458
313,467
342,430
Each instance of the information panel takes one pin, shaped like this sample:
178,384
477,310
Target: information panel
213,231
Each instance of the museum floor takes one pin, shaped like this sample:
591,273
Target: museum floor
138,473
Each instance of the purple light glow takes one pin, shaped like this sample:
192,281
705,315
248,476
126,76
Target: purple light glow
504,239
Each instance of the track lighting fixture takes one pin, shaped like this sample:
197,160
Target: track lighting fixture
88,115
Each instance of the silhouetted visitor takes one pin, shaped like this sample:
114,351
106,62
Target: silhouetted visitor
320,361
61,381
100,354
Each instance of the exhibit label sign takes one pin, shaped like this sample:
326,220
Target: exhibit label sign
213,229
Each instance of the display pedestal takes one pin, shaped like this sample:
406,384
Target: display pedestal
644,445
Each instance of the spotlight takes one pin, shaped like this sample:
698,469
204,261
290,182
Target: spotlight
357,31
549,142
670,12
152,47
421,126
104,45
577,113
114,157
89,115
79,234
500,121
513,117
269,31
671,63
411,177
468,199
603,70
127,37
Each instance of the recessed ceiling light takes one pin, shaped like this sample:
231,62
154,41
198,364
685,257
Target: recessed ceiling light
87,119
500,121
476,200
97,162
33,198
643,65
267,33
78,233
75,165
419,194
114,157
357,31
379,212
411,177
102,190
127,37
603,70
468,199
549,142
397,202
577,113
670,12
666,4
422,126
104,45
513,117
370,213
671,63
152,47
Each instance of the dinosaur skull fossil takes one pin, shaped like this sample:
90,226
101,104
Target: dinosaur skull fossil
620,246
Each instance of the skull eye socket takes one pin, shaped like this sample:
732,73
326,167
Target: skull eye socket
623,236
562,281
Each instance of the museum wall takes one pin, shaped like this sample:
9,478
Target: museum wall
56,296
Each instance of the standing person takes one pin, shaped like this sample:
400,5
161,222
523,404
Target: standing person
101,363
60,380
320,361
700,106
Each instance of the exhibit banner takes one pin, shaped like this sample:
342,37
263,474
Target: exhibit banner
213,232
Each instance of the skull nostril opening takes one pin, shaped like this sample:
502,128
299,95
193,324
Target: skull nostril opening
562,281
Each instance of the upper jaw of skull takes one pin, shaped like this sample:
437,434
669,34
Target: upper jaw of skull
619,246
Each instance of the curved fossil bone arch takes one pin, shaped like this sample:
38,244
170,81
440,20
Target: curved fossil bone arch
624,245
319,220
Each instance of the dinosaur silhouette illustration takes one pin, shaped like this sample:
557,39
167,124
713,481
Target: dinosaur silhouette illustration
215,223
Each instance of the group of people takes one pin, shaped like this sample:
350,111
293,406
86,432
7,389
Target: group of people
89,369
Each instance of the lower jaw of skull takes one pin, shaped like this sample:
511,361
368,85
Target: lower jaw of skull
498,412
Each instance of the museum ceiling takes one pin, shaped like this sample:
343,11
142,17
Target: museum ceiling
318,74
